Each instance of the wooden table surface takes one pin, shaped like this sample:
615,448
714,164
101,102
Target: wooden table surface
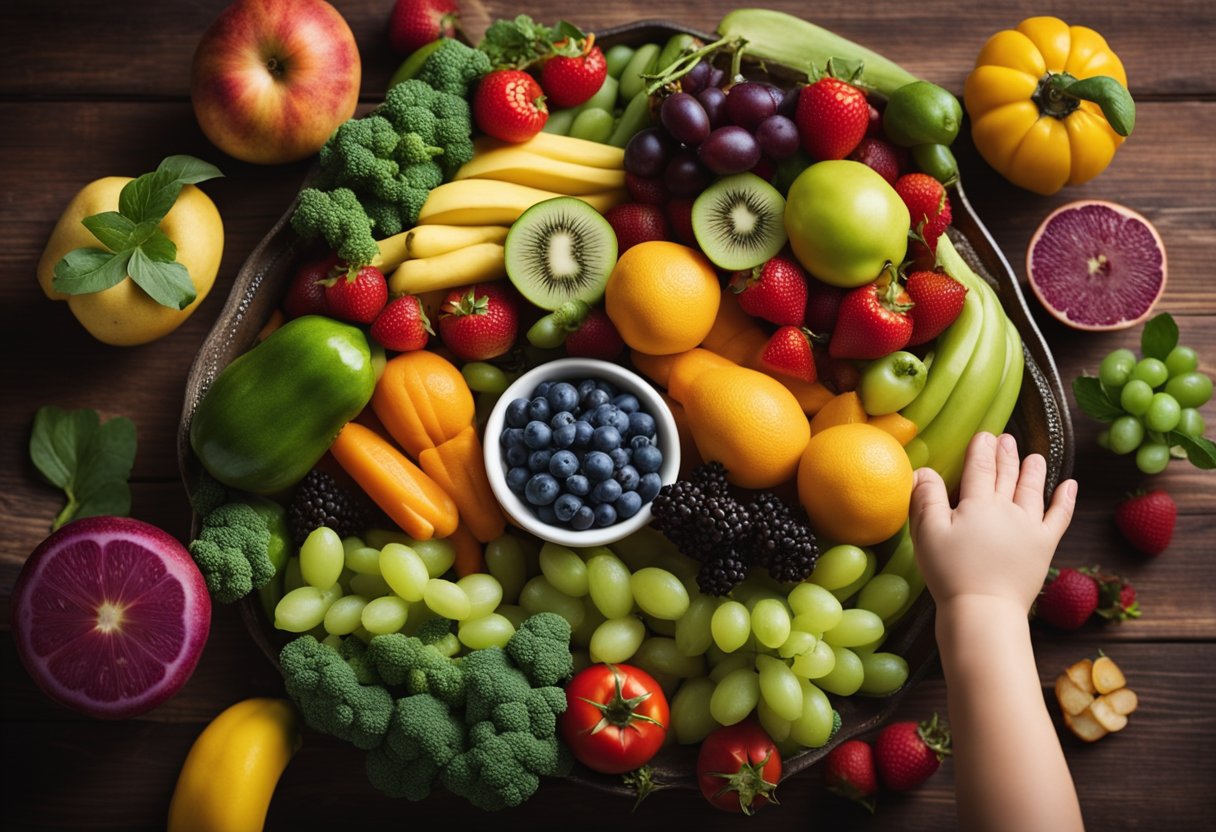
92,89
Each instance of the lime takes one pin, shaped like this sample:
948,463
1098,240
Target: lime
922,113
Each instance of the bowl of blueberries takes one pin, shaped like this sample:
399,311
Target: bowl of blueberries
577,448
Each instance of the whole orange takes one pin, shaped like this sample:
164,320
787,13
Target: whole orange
662,297
855,482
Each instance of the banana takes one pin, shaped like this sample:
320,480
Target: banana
997,417
432,240
472,264
561,148
231,771
393,252
523,167
489,202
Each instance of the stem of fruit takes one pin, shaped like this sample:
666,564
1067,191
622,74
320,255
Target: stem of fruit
682,65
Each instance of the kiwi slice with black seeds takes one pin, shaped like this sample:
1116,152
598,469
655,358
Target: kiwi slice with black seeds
560,250
739,221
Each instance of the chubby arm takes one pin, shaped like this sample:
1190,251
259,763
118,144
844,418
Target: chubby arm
984,562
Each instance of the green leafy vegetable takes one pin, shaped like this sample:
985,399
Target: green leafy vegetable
134,244
1159,337
1093,401
88,459
522,42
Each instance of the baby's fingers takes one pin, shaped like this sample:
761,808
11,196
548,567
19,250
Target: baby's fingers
1029,493
930,507
1059,515
979,467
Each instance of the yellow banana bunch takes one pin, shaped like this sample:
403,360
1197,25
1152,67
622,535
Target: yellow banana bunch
491,202
477,263
230,774
562,149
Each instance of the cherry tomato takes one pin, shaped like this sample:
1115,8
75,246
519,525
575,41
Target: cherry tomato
739,767
616,718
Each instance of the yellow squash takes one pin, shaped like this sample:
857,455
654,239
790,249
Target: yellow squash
1048,104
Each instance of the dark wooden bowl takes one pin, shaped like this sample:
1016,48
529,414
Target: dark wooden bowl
1040,421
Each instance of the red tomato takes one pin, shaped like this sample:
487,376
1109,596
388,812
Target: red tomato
616,718
738,768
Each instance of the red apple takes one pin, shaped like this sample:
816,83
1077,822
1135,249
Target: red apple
272,79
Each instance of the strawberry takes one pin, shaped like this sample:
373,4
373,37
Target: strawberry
788,351
569,80
1068,598
822,306
938,299
356,296
636,223
832,118
880,155
478,322
907,753
648,191
596,337
1147,521
402,325
929,209
509,105
1117,599
415,23
839,374
849,772
874,126
775,291
306,294
873,321
679,214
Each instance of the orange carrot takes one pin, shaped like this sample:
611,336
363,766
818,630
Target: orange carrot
904,430
458,467
423,400
470,554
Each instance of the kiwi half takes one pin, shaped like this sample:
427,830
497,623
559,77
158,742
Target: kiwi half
560,250
739,221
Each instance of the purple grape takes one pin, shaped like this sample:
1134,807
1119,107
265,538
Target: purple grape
647,153
729,150
685,176
778,137
694,81
716,77
714,102
684,118
748,104
789,102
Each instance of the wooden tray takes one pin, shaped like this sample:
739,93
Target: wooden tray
1040,421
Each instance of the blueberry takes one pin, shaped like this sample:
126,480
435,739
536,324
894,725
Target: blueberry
648,459
648,487
578,485
582,519
539,460
597,466
607,386
537,435
582,434
562,417
619,419
627,402
563,437
641,424
517,478
627,505
627,476
538,409
606,492
562,396
636,442
541,489
565,506
517,413
620,457
594,398
542,389
546,515
517,455
606,438
605,515
511,436
563,464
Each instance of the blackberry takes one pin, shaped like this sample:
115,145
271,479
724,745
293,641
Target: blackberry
780,539
711,478
698,524
721,574
321,501
674,511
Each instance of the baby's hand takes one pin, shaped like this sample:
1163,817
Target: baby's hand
997,542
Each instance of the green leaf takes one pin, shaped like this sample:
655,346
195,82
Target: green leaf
54,447
87,270
1199,450
188,170
1159,337
1093,401
1114,99
112,229
90,461
149,197
166,283
159,247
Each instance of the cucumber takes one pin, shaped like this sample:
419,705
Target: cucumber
617,58
675,47
643,62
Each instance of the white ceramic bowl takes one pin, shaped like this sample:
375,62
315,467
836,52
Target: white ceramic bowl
575,370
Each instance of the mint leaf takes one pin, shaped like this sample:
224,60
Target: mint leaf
90,461
111,228
159,247
1199,450
166,283
88,270
188,170
149,197
1093,401
1159,337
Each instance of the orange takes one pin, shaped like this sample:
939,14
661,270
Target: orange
662,297
855,482
904,430
749,422
839,410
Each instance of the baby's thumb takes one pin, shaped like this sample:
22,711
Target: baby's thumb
930,504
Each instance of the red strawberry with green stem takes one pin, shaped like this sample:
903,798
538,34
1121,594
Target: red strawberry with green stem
908,753
832,118
1147,521
356,295
776,291
415,23
873,321
880,155
478,322
930,213
1068,598
938,299
569,80
596,337
509,105
1117,599
822,306
788,351
849,772
402,325
306,294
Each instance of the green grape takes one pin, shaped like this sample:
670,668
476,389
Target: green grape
847,592
1126,434
1116,368
484,591
813,727
661,626
1190,389
505,560
846,677
292,577
838,567
735,696
332,640
564,569
594,125
777,727
447,599
884,595
322,558
731,662
363,560
815,608
796,644
682,566
1104,439
770,622
693,629
779,687
369,586
483,377
419,614
379,538
608,581
1163,413
816,664
592,619
690,718
437,554
513,613
856,627
617,639
1151,371
659,593
302,609
404,571
491,630
345,615
884,673
1181,360
351,543
659,654
1153,457
538,595
386,614
617,57
1136,396
730,626
1190,422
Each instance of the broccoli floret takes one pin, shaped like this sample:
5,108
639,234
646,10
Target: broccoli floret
360,152
454,67
326,689
232,551
541,649
209,494
405,661
354,651
339,218
423,736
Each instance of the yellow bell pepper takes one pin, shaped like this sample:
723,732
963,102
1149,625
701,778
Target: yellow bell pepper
1048,104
